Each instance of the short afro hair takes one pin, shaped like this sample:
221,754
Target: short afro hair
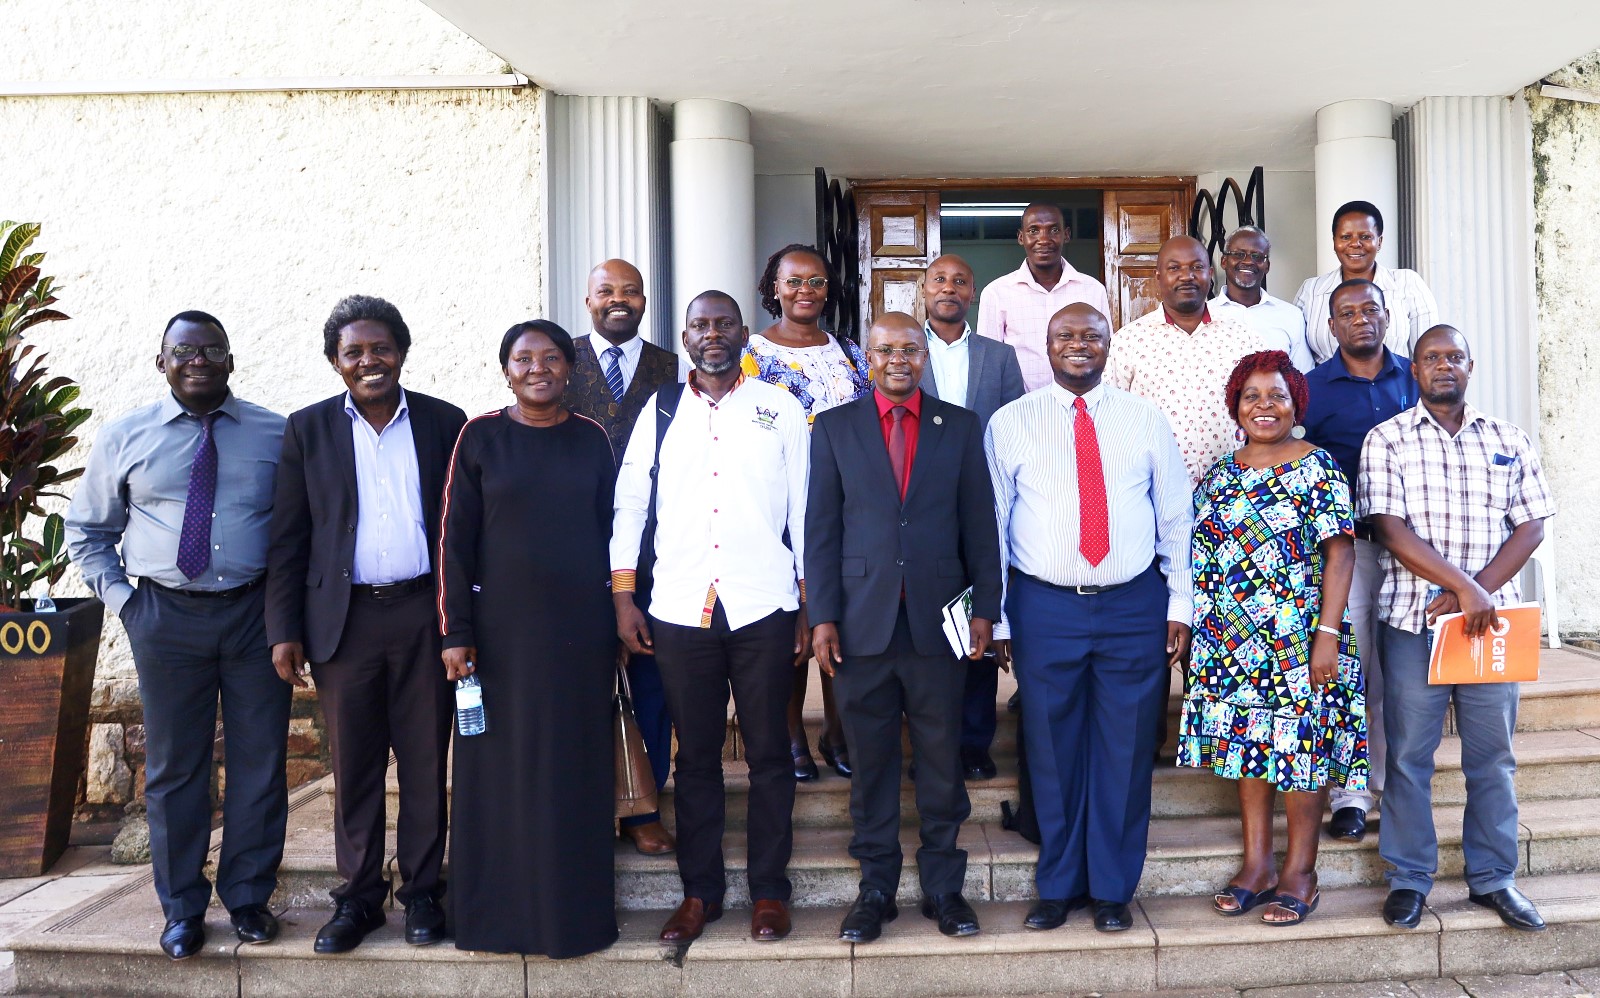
560,337
1270,361
359,308
1366,208
197,317
768,288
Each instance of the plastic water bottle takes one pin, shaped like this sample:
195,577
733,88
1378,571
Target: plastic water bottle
42,603
469,707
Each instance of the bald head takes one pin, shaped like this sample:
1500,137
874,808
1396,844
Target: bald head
1079,314
1183,276
1442,333
1078,342
615,300
895,324
1442,364
897,351
947,291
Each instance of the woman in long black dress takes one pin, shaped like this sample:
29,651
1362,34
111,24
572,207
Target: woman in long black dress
525,603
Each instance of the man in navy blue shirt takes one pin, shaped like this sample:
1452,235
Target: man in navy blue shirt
1357,388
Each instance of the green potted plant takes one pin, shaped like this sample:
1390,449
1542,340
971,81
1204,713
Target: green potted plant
47,659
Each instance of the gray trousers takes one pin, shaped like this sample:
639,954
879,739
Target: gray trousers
1486,715
1365,584
188,652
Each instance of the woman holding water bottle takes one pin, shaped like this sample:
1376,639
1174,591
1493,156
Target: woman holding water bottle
527,614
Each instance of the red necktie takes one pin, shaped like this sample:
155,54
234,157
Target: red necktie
897,448
1094,528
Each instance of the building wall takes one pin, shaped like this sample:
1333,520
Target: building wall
1566,158
1291,201
265,209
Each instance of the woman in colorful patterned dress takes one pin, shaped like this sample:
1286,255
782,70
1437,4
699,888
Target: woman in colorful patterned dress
821,370
1274,695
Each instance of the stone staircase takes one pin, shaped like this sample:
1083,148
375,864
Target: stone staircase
107,945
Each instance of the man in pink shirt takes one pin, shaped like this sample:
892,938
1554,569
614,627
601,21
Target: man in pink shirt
1016,308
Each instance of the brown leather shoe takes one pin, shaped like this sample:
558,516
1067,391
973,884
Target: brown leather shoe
689,921
652,839
769,922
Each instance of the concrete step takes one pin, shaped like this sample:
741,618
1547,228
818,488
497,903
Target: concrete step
108,946
1550,765
1186,855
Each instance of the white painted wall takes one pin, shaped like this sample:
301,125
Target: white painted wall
267,208
786,212
1291,225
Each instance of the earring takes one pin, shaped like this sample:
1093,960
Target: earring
1238,435
1299,432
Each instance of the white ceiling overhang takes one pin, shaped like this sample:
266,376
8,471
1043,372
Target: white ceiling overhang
994,87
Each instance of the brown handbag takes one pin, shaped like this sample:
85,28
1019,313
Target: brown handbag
636,781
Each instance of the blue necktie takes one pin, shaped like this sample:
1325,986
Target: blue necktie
613,358
194,542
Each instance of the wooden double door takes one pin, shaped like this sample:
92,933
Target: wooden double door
899,236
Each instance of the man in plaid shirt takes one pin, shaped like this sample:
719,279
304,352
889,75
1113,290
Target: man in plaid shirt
1458,501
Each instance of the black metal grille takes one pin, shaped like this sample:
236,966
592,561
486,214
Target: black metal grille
837,235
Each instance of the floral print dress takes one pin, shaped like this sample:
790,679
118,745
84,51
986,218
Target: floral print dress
819,377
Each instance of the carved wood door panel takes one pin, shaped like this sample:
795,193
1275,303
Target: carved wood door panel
899,238
1136,223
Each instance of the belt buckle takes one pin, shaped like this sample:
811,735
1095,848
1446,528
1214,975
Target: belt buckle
1086,590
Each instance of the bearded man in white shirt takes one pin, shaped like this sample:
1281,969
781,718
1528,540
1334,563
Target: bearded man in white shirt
704,503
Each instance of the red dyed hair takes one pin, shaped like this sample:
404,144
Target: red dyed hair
1268,360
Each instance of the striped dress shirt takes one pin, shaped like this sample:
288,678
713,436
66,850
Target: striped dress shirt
1034,467
1016,309
1463,495
1412,310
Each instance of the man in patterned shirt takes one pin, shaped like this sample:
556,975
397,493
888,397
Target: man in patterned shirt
1458,501
1180,356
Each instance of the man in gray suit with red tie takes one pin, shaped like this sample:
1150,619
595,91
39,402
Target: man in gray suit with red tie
981,374
903,515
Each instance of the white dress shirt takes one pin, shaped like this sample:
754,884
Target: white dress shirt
733,479
391,537
632,348
950,363
1412,310
1280,324
1016,309
1033,464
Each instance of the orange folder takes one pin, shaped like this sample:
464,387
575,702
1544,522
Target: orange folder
1506,653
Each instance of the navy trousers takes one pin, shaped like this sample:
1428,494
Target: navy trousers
978,721
1093,676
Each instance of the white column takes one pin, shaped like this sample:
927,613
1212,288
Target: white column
713,206
1355,161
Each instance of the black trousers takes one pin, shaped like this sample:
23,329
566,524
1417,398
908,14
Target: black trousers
385,688
698,668
189,651
872,692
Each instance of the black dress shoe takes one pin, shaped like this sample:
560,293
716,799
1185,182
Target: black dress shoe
184,937
1112,916
351,922
254,923
864,921
977,764
838,758
424,921
1513,907
1348,824
1403,908
1049,913
805,767
951,911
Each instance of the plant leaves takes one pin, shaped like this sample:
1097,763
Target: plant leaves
15,282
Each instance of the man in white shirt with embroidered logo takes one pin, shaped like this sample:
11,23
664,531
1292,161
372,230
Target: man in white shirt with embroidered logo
727,606
1016,308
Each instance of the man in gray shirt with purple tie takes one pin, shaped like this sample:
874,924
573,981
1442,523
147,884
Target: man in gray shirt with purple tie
185,486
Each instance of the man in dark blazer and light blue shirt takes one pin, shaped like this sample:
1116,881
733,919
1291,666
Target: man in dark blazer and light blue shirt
980,374
350,590
903,521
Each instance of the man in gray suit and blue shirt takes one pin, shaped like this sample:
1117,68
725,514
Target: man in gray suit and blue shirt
980,374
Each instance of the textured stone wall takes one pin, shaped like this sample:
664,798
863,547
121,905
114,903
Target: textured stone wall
264,209
1566,159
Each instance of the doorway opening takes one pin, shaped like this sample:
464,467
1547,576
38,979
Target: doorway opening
981,227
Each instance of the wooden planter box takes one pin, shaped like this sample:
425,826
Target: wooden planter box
46,675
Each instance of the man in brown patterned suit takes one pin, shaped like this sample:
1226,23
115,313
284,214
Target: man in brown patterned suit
615,374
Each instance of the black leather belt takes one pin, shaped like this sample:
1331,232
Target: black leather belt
1081,590
393,590
206,593
1364,531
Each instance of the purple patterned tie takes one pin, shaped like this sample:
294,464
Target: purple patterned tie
194,544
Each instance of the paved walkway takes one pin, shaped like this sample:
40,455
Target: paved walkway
80,873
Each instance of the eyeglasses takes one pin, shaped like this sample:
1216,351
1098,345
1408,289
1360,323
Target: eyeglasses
1251,255
889,353
814,283
185,352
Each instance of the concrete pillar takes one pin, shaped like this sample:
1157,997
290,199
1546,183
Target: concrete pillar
1355,161
713,206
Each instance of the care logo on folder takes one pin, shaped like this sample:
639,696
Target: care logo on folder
1508,652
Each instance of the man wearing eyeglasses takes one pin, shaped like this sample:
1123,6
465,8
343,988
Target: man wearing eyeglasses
900,522
185,487
1246,261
